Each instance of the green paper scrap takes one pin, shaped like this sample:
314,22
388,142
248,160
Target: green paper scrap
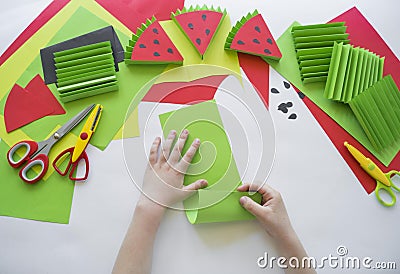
130,82
378,111
342,84
313,44
341,113
214,162
48,201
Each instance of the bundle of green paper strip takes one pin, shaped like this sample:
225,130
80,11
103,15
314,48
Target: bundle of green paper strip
85,71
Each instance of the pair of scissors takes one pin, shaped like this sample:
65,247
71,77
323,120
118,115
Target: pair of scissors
383,180
36,153
77,153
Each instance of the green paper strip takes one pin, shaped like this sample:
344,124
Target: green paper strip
84,67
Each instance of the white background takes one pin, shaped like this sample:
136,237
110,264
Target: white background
327,205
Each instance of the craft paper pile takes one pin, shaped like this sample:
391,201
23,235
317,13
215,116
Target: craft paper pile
85,71
313,45
352,70
26,105
152,45
199,24
214,162
251,35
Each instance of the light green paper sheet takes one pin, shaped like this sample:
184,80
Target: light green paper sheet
341,113
214,162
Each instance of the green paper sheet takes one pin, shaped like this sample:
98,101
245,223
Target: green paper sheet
341,113
214,162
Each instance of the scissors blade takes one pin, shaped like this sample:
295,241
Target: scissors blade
67,127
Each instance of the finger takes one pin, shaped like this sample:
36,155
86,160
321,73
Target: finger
188,157
193,187
166,148
154,151
176,152
251,206
266,191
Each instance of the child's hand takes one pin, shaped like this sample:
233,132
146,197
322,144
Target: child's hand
163,179
271,213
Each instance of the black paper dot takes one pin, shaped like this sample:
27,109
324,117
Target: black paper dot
269,41
256,41
267,51
285,106
155,31
190,25
301,95
198,41
274,90
289,104
293,116
170,50
156,53
142,46
286,84
257,28
240,42
204,17
208,32
156,42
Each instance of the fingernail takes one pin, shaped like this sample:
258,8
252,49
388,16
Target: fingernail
204,183
185,131
172,132
197,141
243,200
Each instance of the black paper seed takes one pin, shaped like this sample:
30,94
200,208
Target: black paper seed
256,41
142,46
156,53
286,84
301,95
284,107
208,32
170,50
257,28
190,25
289,104
156,42
274,90
155,31
198,41
293,116
269,41
267,51
240,42
204,17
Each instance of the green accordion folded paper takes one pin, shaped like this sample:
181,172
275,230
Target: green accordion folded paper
313,45
352,70
85,71
214,162
378,111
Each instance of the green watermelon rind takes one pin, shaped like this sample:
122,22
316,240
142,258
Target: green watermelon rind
239,24
198,8
132,43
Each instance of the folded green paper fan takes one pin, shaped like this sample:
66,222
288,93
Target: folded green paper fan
378,111
352,70
314,45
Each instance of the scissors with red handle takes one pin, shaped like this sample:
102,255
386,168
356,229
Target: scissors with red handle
77,153
36,153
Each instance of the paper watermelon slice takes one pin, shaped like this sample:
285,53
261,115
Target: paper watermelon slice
152,45
251,35
199,24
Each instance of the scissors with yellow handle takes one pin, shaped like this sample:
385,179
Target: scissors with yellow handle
383,180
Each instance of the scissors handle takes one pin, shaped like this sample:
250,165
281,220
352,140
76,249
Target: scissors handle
40,160
30,146
390,174
71,165
380,187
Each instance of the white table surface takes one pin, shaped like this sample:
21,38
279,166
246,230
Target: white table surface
327,205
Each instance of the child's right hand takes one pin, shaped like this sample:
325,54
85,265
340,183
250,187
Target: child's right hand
271,213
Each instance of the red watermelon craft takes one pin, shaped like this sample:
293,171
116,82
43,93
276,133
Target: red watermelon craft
199,24
251,35
151,45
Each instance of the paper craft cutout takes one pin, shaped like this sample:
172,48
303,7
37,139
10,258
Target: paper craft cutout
352,70
214,162
251,35
151,45
79,74
24,106
199,24
97,36
314,44
378,111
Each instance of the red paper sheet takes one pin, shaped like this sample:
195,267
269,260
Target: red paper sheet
193,92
